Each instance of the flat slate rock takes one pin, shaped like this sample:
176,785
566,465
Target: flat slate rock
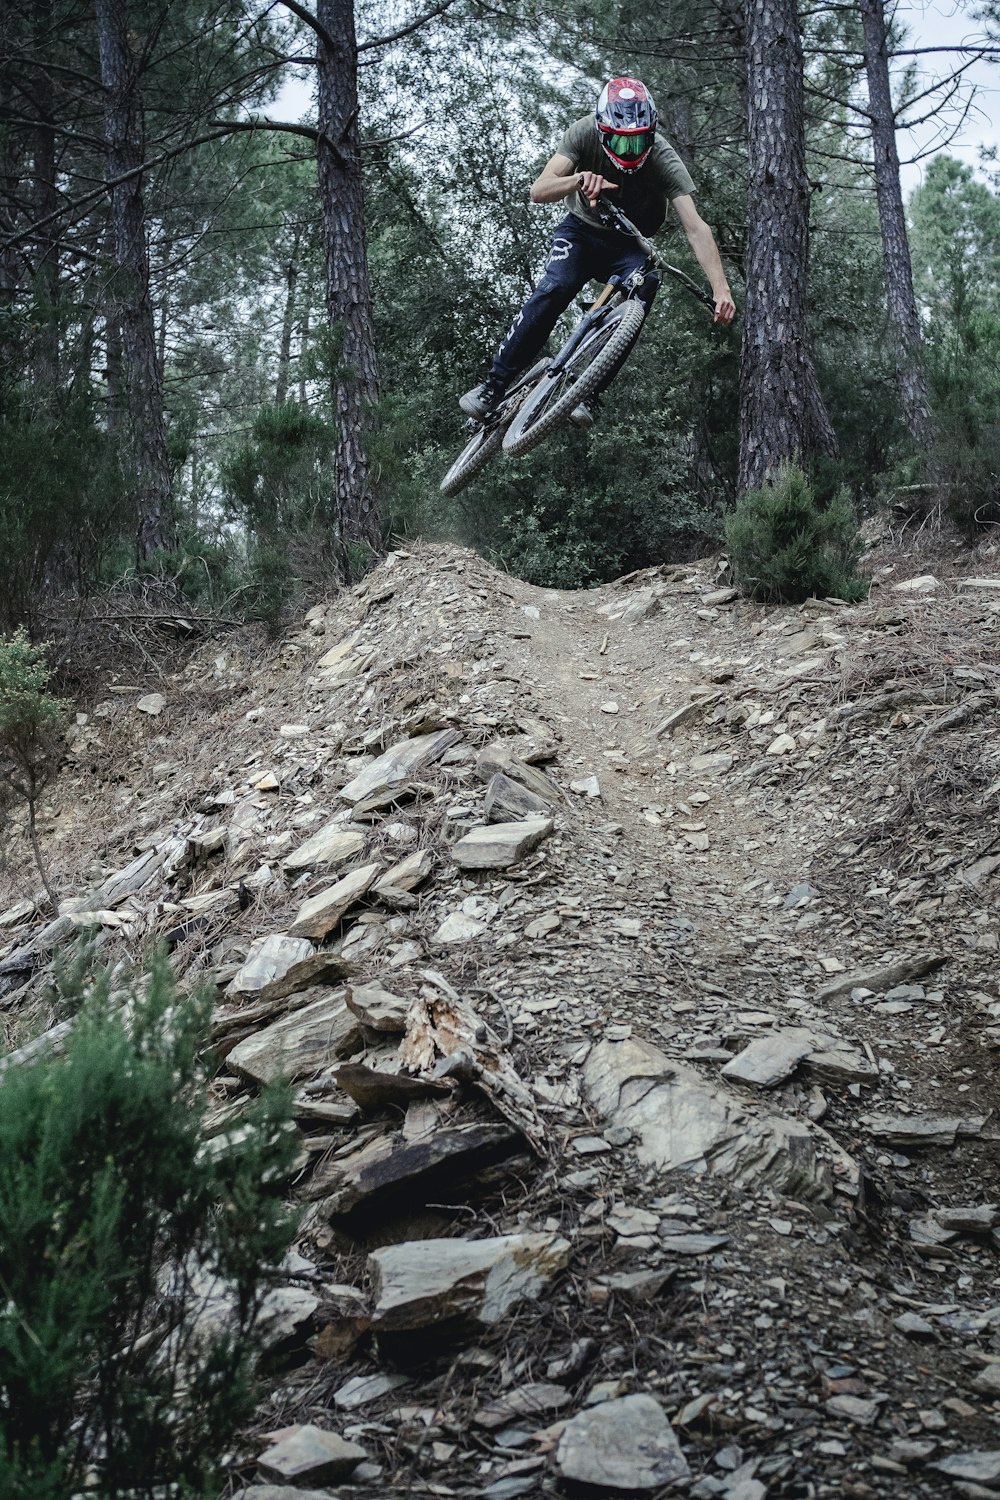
320,914
683,1122
298,1045
280,1492
625,1446
391,1173
377,1009
921,1130
500,844
361,1390
397,882
426,1282
332,845
310,1455
507,799
526,1401
399,763
978,1466
769,1059
268,960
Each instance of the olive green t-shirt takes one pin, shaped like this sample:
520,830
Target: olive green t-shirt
643,195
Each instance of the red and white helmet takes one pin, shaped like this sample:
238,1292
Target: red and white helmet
626,122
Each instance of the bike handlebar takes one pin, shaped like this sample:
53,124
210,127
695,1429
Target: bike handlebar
613,218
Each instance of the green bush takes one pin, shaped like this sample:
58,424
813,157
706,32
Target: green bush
31,725
63,505
784,547
117,1222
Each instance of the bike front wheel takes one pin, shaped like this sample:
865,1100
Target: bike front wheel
476,454
556,395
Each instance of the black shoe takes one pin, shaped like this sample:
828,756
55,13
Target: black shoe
482,402
585,415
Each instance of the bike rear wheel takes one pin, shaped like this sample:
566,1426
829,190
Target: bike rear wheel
555,396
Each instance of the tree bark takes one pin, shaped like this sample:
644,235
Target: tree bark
348,291
131,305
782,415
45,201
904,321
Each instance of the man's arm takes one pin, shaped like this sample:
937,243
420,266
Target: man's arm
702,242
559,178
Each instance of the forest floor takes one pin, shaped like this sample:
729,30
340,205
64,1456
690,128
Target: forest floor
775,852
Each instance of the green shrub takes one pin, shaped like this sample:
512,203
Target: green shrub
63,505
31,725
116,1222
784,547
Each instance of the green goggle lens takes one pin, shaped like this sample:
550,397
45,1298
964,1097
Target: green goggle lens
629,146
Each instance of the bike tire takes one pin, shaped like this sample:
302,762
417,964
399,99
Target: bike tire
476,454
609,343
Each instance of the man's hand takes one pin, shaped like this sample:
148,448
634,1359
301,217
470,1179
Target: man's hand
725,307
592,185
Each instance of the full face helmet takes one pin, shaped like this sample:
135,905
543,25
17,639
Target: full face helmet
626,122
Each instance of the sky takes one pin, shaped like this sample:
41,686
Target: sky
929,23
936,23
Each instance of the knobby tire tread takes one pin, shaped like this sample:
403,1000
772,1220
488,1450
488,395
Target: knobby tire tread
522,435
474,456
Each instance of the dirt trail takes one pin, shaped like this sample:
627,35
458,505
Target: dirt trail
789,861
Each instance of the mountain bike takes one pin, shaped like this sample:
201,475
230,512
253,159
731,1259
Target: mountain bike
544,396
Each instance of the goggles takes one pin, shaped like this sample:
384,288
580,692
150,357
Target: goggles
630,145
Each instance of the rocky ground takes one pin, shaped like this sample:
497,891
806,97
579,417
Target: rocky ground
635,957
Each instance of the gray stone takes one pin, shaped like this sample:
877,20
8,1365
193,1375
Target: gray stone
769,1059
310,1455
882,978
151,703
973,1220
332,845
269,960
361,1390
623,1446
987,1382
377,1009
914,1326
300,1044
500,844
280,1492
854,1408
507,799
396,884
920,1130
979,1466
684,1123
693,1244
399,763
425,1282
320,914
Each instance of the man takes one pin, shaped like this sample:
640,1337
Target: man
619,153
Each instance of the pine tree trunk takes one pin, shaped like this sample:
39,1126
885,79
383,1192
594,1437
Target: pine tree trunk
143,392
348,292
287,323
45,203
782,415
904,321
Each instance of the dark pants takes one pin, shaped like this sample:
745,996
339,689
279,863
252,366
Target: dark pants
579,253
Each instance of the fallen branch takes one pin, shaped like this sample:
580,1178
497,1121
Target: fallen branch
960,714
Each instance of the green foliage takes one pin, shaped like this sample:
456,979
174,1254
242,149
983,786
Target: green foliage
62,503
785,547
31,719
116,1220
31,723
280,480
956,257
